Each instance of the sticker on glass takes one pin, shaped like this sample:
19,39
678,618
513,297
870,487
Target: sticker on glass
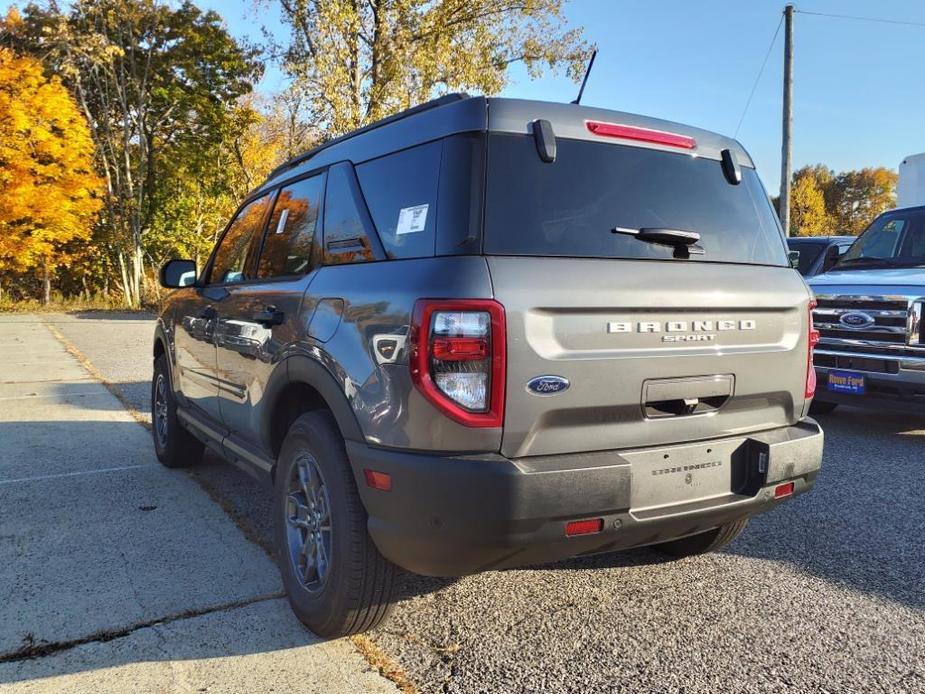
411,219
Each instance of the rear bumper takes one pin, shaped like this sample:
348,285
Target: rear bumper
455,515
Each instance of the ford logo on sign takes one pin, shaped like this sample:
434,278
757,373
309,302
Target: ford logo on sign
547,385
857,320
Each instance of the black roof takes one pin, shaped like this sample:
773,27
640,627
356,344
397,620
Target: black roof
305,156
458,113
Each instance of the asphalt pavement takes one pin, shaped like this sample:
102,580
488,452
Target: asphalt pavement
826,593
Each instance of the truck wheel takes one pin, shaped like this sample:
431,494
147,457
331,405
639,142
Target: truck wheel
702,543
174,445
822,407
336,580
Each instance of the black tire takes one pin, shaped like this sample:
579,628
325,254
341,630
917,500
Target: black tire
174,445
822,407
701,543
346,586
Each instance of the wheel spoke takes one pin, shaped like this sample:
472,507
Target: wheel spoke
323,509
322,562
308,515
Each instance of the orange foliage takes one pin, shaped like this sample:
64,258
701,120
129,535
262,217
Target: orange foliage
48,188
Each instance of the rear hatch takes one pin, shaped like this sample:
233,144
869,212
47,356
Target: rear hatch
657,345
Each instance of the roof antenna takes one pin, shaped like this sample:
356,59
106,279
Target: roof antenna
585,80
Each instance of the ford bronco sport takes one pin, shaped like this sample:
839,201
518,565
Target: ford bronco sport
486,333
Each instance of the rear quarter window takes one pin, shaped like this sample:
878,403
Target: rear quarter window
348,235
401,192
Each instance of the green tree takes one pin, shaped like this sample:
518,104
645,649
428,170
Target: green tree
154,82
359,60
856,197
204,186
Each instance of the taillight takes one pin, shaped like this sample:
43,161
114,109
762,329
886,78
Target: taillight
812,342
457,358
632,132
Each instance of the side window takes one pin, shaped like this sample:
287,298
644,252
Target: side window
401,191
287,247
239,243
347,233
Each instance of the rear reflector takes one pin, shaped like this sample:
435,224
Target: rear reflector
783,490
584,527
378,480
631,132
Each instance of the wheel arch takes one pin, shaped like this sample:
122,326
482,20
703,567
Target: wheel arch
161,347
302,386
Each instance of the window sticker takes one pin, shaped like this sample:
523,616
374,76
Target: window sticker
411,219
281,225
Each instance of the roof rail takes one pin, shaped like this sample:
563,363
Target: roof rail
426,106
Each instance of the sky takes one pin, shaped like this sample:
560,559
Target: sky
858,96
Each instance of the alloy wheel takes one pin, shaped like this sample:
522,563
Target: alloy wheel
160,410
308,523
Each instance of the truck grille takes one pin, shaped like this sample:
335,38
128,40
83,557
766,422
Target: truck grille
864,323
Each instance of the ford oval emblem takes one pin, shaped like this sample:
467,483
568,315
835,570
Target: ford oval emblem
857,320
547,385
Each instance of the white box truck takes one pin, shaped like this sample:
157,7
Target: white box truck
910,191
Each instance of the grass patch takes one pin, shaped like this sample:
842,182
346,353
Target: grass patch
62,304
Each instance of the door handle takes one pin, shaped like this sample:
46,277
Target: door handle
269,317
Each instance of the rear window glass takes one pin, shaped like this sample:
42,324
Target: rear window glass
570,207
401,192
808,254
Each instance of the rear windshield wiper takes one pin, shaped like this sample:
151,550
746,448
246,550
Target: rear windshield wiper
683,242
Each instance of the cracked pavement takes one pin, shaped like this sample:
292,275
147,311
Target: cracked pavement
119,574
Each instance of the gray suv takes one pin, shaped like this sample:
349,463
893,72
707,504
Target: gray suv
486,333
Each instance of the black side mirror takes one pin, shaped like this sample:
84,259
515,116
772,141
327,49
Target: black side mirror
178,273
794,257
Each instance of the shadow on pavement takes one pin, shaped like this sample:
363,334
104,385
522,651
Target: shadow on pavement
862,524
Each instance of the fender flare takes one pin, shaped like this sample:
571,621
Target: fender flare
300,368
161,335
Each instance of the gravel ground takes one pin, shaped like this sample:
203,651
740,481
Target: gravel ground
824,594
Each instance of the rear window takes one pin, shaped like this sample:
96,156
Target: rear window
569,207
809,252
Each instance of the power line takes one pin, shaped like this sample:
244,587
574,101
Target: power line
758,78
878,20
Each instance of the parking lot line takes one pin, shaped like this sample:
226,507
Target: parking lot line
60,475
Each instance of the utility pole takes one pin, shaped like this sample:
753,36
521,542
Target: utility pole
786,146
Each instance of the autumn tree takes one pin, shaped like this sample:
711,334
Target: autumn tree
360,60
204,186
151,79
856,197
808,214
48,187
